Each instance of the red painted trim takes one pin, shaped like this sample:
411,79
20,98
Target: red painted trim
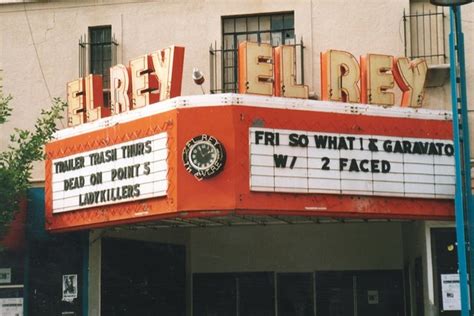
14,238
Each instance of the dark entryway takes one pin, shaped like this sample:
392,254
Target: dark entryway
332,293
51,262
142,278
445,263
253,294
233,294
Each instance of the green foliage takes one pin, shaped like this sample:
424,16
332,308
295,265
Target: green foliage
16,162
5,110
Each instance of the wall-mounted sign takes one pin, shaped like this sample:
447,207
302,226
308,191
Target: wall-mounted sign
204,156
314,162
5,275
451,292
11,306
121,173
147,79
372,297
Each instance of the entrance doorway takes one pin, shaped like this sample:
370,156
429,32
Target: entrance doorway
332,293
444,250
233,294
360,293
253,294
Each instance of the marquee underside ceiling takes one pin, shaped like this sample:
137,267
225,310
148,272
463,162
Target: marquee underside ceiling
248,220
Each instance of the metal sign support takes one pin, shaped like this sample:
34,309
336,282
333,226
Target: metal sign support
463,196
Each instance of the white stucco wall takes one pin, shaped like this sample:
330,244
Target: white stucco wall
141,27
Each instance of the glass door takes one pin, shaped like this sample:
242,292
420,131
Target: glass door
234,294
360,293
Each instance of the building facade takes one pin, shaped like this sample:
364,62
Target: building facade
236,243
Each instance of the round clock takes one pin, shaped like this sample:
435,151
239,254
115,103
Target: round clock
204,156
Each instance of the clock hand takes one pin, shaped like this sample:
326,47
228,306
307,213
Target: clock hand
200,151
209,154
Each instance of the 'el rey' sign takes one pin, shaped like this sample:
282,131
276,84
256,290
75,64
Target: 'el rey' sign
314,162
125,172
262,69
268,70
147,79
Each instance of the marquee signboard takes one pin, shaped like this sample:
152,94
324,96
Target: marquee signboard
125,172
234,154
315,162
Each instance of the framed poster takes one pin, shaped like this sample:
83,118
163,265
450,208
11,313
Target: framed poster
5,275
69,287
450,292
11,306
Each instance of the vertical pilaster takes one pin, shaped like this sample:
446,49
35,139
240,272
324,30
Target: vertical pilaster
94,272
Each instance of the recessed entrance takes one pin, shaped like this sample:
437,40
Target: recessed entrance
337,269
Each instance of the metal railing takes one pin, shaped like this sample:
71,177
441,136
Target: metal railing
85,60
217,64
84,53
425,34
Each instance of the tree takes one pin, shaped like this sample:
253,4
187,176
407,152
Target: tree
16,161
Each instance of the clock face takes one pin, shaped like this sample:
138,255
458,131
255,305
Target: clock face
204,156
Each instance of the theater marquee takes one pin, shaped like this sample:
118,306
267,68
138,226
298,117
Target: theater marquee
148,158
216,155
